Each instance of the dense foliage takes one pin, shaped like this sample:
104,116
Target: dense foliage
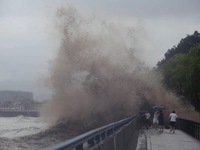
181,69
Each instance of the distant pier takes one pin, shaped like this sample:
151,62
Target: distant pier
9,112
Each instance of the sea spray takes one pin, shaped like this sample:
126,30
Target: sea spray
96,76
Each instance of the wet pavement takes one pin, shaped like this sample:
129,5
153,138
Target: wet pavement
155,140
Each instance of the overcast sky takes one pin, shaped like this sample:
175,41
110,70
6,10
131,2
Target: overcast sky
27,42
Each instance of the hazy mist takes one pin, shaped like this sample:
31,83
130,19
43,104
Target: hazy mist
96,75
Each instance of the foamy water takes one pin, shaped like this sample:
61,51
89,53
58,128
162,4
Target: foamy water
12,127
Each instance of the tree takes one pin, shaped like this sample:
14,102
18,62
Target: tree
182,75
183,47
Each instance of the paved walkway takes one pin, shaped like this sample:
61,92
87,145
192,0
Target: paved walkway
154,140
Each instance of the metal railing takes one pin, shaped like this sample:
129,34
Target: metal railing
115,136
190,127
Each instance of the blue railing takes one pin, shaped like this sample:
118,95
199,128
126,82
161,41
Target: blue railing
119,135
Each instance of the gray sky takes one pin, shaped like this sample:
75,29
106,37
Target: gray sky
27,41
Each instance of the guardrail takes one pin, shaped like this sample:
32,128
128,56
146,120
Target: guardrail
190,127
121,135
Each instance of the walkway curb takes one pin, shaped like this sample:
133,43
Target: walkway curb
148,140
142,140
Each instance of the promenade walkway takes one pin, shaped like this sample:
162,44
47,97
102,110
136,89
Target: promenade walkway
154,140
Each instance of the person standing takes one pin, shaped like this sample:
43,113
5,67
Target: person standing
161,120
155,119
142,117
147,122
173,118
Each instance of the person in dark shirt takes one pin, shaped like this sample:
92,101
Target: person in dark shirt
147,121
142,117
161,120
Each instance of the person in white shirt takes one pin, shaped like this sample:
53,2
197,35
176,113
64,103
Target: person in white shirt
173,118
155,120
147,122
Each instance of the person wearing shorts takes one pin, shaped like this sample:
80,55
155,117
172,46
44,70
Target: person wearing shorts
173,118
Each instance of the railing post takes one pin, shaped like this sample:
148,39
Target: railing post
103,135
91,142
79,147
97,139
198,131
114,142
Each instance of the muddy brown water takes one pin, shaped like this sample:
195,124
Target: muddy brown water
44,139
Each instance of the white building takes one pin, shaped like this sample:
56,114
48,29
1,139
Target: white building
15,95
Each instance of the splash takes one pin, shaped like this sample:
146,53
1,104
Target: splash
96,77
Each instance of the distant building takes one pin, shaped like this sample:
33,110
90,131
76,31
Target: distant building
15,96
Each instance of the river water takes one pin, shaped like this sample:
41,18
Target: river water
30,133
12,127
